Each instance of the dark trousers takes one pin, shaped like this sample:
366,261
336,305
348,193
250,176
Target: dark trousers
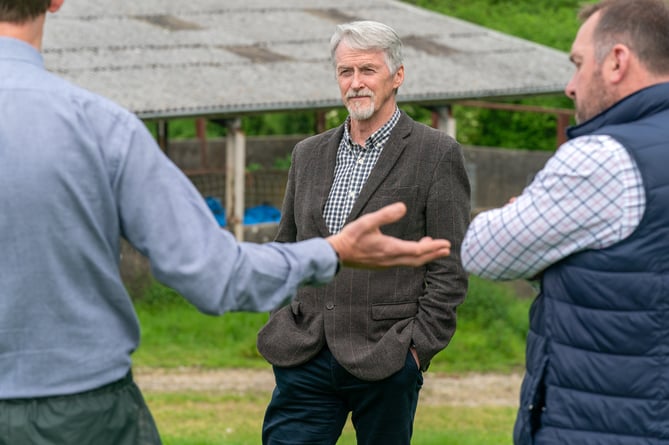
310,404
114,414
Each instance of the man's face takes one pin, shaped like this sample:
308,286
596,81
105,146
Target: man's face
587,87
365,82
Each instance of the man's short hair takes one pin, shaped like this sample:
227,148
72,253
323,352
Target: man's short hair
21,11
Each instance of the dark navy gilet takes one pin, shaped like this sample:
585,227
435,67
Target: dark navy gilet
598,346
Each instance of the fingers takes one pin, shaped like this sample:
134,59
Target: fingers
395,252
362,244
385,215
364,232
418,253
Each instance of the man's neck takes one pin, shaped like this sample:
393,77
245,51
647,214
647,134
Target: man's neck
361,130
30,32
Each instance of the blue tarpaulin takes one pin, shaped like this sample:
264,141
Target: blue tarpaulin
263,213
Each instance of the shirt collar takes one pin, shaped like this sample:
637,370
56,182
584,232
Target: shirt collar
15,49
637,105
377,139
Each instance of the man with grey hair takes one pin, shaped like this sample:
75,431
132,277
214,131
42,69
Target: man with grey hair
593,227
359,345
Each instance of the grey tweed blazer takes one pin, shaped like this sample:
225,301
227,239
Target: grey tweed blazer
369,319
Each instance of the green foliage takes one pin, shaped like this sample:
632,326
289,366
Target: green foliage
185,128
419,114
253,167
510,129
298,122
282,163
335,117
549,22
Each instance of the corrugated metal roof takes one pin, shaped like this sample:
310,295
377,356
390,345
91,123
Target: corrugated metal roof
168,58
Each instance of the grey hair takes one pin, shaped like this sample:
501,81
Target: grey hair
369,35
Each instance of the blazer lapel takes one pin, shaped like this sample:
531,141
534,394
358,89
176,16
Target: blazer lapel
324,177
391,152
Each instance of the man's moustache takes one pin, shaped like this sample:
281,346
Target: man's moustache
359,94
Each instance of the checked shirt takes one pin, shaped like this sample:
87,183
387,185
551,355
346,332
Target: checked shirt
353,166
588,196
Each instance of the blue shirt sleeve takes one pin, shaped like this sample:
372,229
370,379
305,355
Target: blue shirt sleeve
165,218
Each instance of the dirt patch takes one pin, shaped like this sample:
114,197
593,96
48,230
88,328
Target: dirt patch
471,389
438,389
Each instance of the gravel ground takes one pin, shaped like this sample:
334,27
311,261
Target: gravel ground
438,389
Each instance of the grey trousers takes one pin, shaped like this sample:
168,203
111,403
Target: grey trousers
115,414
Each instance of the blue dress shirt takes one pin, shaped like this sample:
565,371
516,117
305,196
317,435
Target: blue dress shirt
78,173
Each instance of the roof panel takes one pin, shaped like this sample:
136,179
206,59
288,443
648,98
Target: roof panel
163,58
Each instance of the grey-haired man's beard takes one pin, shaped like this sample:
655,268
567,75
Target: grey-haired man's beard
361,112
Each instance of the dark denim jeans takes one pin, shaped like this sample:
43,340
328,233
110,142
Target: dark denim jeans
311,402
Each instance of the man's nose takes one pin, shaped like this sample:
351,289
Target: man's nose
570,90
357,82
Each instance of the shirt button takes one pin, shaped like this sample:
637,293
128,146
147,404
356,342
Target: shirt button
351,194
361,161
330,306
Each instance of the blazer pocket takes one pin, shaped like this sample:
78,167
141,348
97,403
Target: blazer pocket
394,311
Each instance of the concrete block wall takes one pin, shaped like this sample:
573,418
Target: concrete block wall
497,174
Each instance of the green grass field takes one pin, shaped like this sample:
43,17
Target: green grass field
200,419
492,324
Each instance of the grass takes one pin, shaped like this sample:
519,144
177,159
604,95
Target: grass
490,337
491,332
196,418
175,334
200,419
492,324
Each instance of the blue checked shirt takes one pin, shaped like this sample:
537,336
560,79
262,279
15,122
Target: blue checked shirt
353,166
588,196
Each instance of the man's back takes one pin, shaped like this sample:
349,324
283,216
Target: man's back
59,231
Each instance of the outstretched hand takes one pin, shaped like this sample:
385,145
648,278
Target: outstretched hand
361,244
